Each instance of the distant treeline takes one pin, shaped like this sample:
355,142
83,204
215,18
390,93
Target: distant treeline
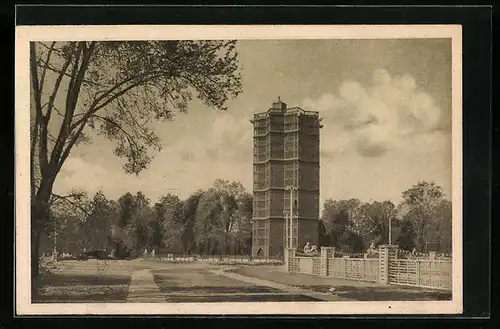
218,221
213,221
422,221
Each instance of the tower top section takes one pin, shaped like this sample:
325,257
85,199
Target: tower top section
279,105
280,108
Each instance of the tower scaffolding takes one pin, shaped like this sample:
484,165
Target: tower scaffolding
285,179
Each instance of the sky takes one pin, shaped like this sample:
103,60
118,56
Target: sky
385,104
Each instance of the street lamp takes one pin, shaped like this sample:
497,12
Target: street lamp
54,249
390,231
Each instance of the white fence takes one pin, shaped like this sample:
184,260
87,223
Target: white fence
230,259
434,274
362,269
426,270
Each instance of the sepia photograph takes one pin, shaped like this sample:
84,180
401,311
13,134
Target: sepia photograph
238,170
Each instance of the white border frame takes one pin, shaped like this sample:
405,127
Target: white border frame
25,34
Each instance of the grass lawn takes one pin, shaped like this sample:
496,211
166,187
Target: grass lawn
199,285
90,281
357,290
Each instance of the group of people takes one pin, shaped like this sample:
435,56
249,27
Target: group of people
146,253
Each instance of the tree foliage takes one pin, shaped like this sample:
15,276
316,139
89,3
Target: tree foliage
422,220
423,202
376,216
116,89
214,221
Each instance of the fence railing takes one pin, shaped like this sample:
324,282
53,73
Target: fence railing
215,259
423,273
389,266
354,269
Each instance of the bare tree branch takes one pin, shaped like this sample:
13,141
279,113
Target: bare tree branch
71,101
46,65
42,79
95,106
68,200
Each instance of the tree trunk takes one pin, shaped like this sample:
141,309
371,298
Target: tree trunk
225,244
40,213
35,264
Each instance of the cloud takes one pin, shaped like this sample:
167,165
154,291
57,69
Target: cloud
376,118
79,173
230,138
186,155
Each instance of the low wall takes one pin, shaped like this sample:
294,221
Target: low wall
307,265
387,268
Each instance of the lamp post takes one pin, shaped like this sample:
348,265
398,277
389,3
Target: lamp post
54,249
286,242
390,230
290,225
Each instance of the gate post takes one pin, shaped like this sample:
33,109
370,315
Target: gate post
387,253
289,259
326,254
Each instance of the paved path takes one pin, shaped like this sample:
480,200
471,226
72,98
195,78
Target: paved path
290,289
143,288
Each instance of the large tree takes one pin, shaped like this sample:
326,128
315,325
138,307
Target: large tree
96,228
422,202
243,233
376,217
189,209
222,217
117,89
441,233
340,220
406,239
130,232
173,223
208,233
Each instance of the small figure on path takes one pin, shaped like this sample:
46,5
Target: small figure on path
153,254
146,253
260,252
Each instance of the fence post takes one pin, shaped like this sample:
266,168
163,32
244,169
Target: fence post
417,270
326,254
383,264
386,254
289,259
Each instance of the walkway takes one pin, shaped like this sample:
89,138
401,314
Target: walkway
289,289
143,288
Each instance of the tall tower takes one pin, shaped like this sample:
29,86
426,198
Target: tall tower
285,179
